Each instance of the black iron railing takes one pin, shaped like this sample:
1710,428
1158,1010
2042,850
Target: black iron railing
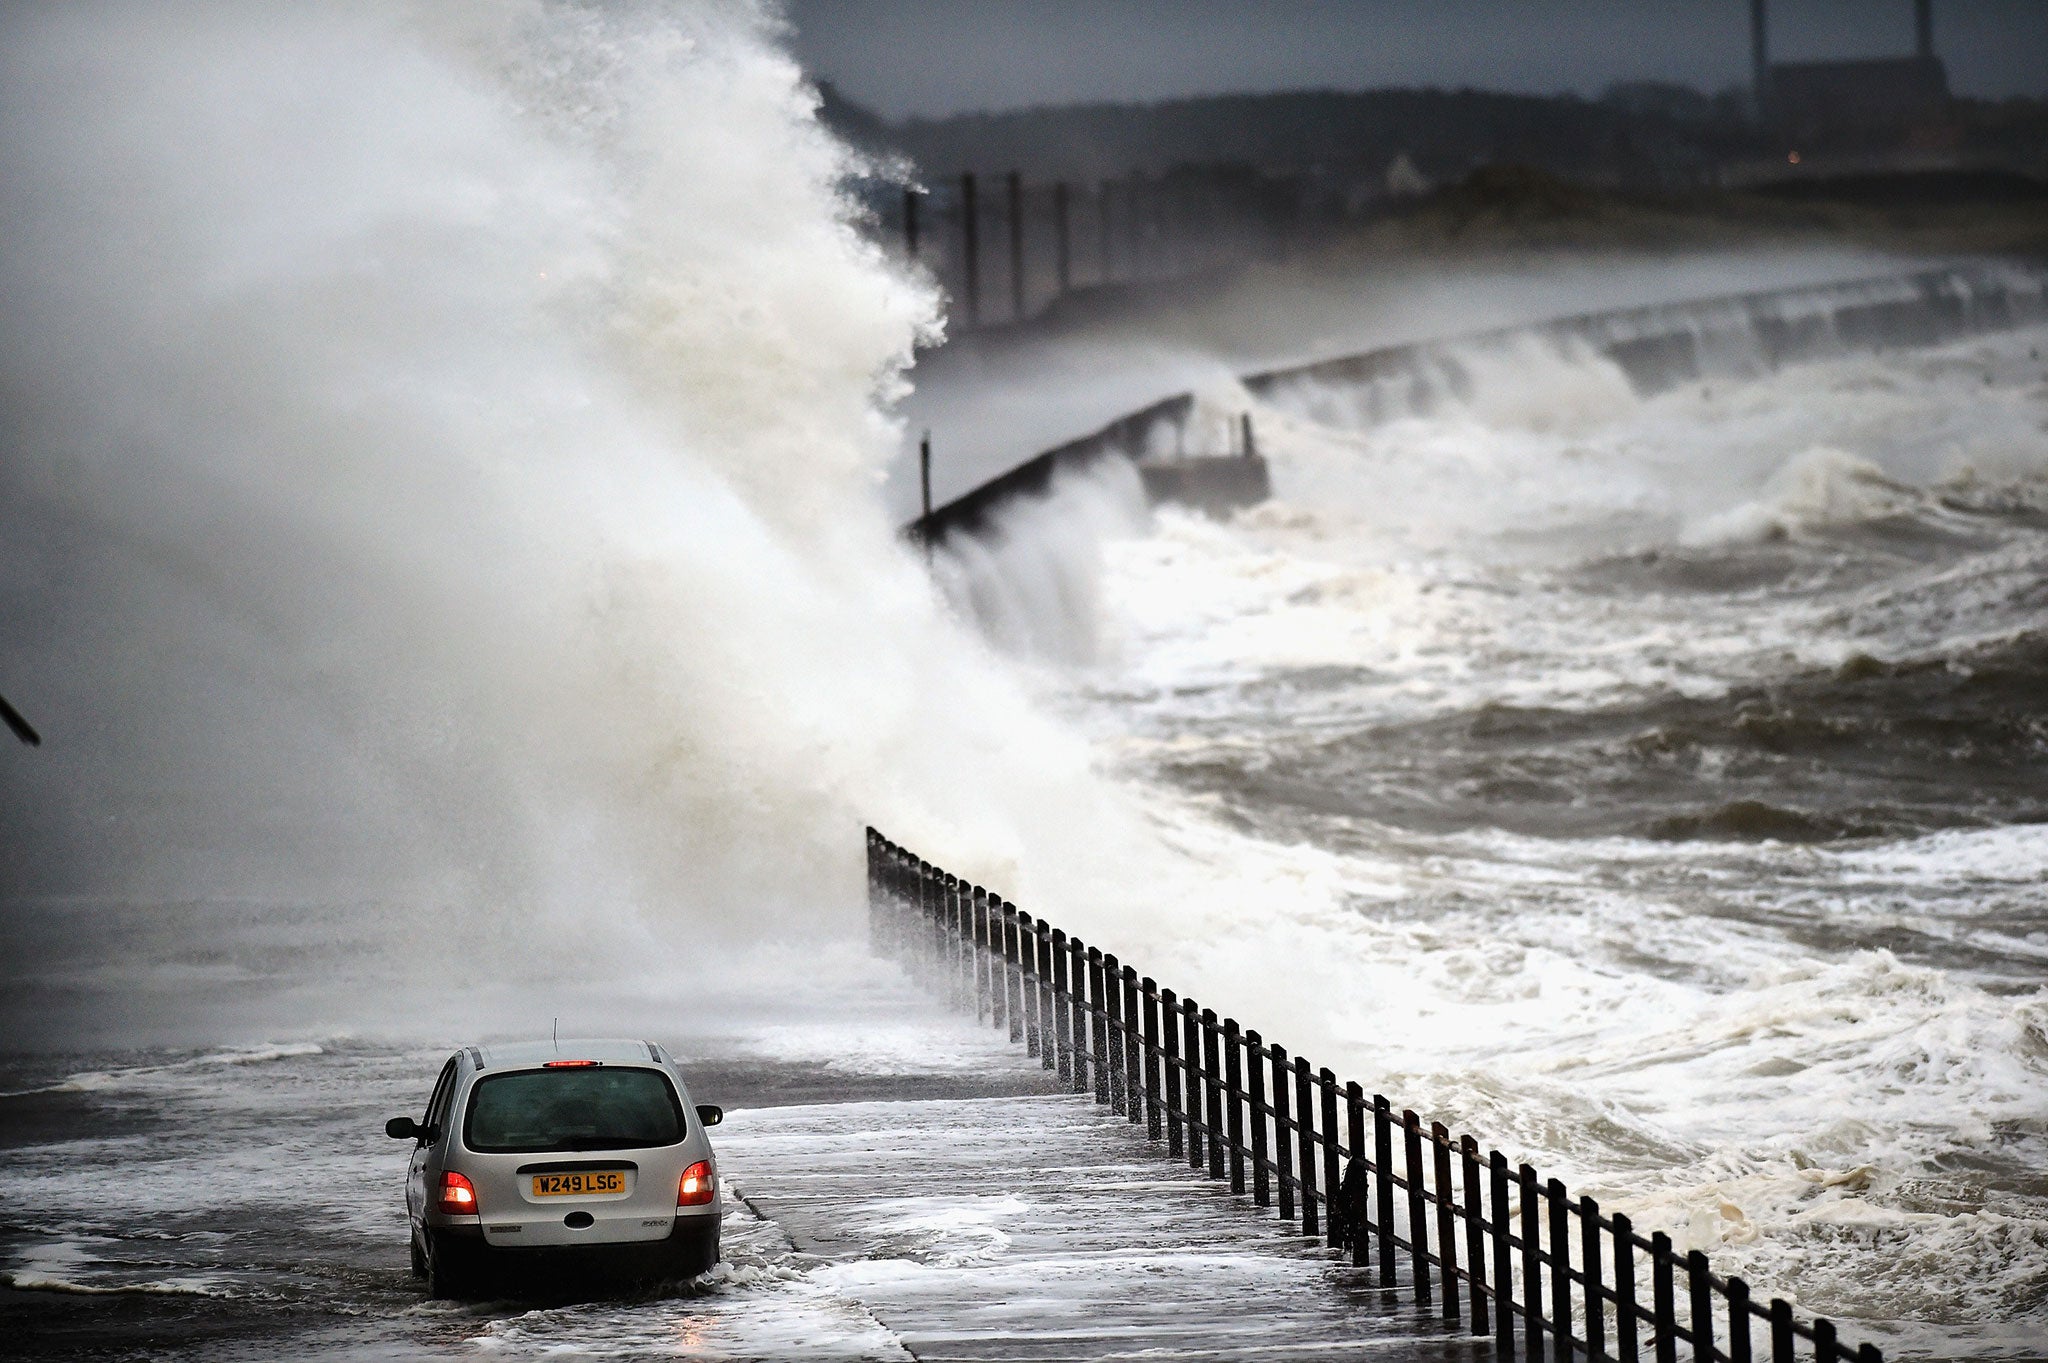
1497,1247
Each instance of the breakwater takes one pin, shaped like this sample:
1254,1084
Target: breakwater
1657,348
1732,337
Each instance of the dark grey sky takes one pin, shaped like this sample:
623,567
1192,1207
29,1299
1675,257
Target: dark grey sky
930,57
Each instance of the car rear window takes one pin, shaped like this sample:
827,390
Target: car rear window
573,1109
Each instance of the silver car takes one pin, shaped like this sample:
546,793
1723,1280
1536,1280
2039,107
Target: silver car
563,1156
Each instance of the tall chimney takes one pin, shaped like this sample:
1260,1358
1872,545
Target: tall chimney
1760,55
1923,28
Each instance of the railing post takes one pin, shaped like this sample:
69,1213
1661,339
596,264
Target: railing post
1105,254
933,899
1503,1256
1028,978
1098,1025
1662,1299
1063,254
1063,1008
1532,1267
1305,1130
1825,1347
909,904
1113,1022
960,957
891,866
898,871
1134,1050
961,963
1255,1101
1595,1293
901,890
888,942
1738,1321
1212,1091
1475,1232
954,904
910,223
904,882
921,964
1233,1092
1283,1133
1627,1311
1169,1043
944,887
984,962
1077,1005
1446,1218
1383,1159
1016,188
886,869
908,889
1560,1270
1333,1156
1134,228
917,938
1359,1215
1784,1343
1151,1006
991,950
960,960
1418,1222
874,868
1013,978
1702,1292
970,241
1199,1132
1049,1034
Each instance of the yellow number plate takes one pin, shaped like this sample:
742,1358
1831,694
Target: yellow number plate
579,1185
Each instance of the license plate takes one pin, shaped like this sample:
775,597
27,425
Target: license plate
579,1185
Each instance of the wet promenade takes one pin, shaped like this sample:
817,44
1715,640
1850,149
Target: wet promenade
911,1190
1044,1228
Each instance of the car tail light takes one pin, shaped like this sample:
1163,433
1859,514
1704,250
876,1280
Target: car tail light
697,1188
568,1064
457,1196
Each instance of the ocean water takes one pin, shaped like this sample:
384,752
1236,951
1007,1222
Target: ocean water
440,544
1655,786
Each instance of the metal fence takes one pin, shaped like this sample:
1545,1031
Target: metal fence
1492,1246
1005,249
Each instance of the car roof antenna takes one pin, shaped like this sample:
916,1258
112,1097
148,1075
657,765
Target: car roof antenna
558,1036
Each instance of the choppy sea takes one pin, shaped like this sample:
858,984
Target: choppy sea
1671,772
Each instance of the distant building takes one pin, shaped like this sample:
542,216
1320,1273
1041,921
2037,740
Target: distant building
1404,181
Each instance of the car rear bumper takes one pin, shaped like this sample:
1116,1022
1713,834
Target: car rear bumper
689,1249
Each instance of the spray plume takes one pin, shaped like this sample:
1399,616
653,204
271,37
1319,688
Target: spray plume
441,452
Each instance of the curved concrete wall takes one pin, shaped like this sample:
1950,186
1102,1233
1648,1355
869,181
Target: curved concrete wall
1658,348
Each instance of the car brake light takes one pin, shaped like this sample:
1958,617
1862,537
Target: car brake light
568,1064
696,1189
457,1196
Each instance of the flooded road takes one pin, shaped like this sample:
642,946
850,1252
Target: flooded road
244,1203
